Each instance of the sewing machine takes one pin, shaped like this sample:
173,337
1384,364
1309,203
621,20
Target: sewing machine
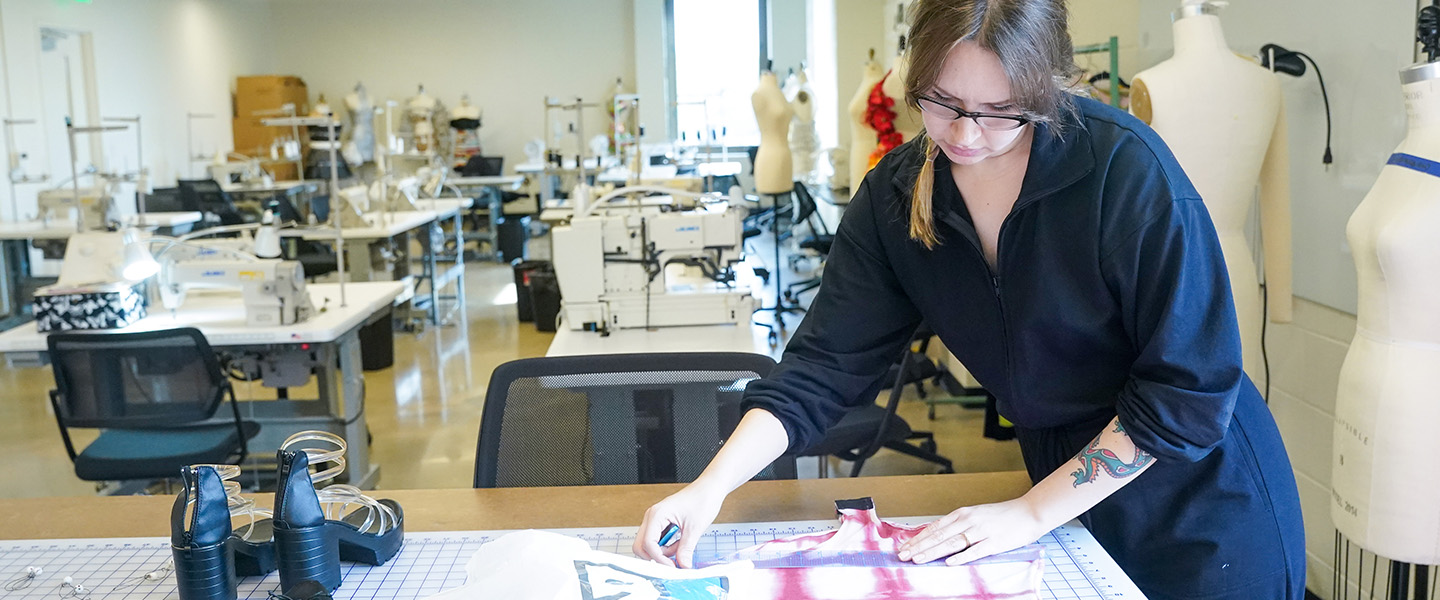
622,269
237,175
94,205
273,290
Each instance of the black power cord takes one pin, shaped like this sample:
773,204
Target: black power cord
1273,56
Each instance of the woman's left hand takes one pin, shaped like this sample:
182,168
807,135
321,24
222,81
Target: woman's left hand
974,532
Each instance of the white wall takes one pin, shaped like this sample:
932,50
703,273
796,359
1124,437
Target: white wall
1094,21
153,58
507,55
859,27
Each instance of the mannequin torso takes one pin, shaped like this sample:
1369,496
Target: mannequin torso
804,139
1222,117
907,120
420,108
465,110
362,126
862,136
1385,407
773,166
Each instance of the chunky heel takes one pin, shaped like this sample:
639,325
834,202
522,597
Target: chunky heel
305,547
204,563
205,573
308,553
359,540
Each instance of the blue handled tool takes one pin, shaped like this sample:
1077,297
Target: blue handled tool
669,534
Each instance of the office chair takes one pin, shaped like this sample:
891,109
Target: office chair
207,197
166,200
482,166
613,419
154,395
819,241
862,432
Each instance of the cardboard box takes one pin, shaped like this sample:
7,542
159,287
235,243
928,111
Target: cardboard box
269,92
102,307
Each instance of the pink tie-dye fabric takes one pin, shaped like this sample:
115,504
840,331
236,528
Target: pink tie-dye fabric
1014,575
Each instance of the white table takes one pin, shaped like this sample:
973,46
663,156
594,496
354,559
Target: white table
332,335
701,338
511,182
368,251
163,219
289,187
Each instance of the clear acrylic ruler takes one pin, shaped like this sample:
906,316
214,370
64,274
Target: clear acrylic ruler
1076,567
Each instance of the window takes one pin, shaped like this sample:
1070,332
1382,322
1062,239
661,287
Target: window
717,52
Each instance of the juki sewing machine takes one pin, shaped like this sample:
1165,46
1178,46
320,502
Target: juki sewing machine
621,269
94,204
273,290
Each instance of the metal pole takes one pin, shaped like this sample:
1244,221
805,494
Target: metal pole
74,176
139,168
335,208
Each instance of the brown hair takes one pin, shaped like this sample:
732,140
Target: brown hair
1032,39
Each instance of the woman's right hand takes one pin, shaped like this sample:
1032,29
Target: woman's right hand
692,509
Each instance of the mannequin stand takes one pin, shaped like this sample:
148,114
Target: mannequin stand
780,307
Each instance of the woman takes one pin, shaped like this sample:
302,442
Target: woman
1057,246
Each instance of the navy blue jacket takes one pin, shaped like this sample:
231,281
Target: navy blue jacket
1110,297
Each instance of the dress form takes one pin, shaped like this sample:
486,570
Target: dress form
419,110
907,120
804,138
361,147
773,164
465,124
1385,405
1228,137
862,136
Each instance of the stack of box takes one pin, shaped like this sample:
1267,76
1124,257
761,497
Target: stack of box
265,94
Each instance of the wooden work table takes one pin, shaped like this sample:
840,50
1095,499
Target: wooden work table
542,508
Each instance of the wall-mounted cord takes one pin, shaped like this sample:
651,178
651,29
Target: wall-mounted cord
1278,59
1264,326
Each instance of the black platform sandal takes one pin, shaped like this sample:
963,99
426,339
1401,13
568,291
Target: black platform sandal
307,520
204,563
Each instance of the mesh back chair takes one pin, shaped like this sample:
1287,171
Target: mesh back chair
482,166
166,200
862,432
819,241
154,394
613,419
206,196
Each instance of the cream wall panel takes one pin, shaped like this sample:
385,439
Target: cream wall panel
508,56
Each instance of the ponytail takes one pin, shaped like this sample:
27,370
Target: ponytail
922,213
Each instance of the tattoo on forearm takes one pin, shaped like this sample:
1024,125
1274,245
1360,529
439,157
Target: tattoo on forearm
1094,456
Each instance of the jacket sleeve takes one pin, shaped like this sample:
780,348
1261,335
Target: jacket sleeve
1170,279
855,328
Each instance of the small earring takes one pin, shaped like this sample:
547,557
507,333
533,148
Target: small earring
75,590
23,581
152,577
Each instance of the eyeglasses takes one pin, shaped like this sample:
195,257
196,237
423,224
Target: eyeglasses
989,121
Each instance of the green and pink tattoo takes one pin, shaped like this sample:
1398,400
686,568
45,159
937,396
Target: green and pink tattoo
1094,456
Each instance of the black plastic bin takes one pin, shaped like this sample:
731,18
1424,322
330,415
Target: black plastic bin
377,343
514,232
523,270
545,299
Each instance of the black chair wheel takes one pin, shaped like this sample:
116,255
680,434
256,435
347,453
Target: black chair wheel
929,446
